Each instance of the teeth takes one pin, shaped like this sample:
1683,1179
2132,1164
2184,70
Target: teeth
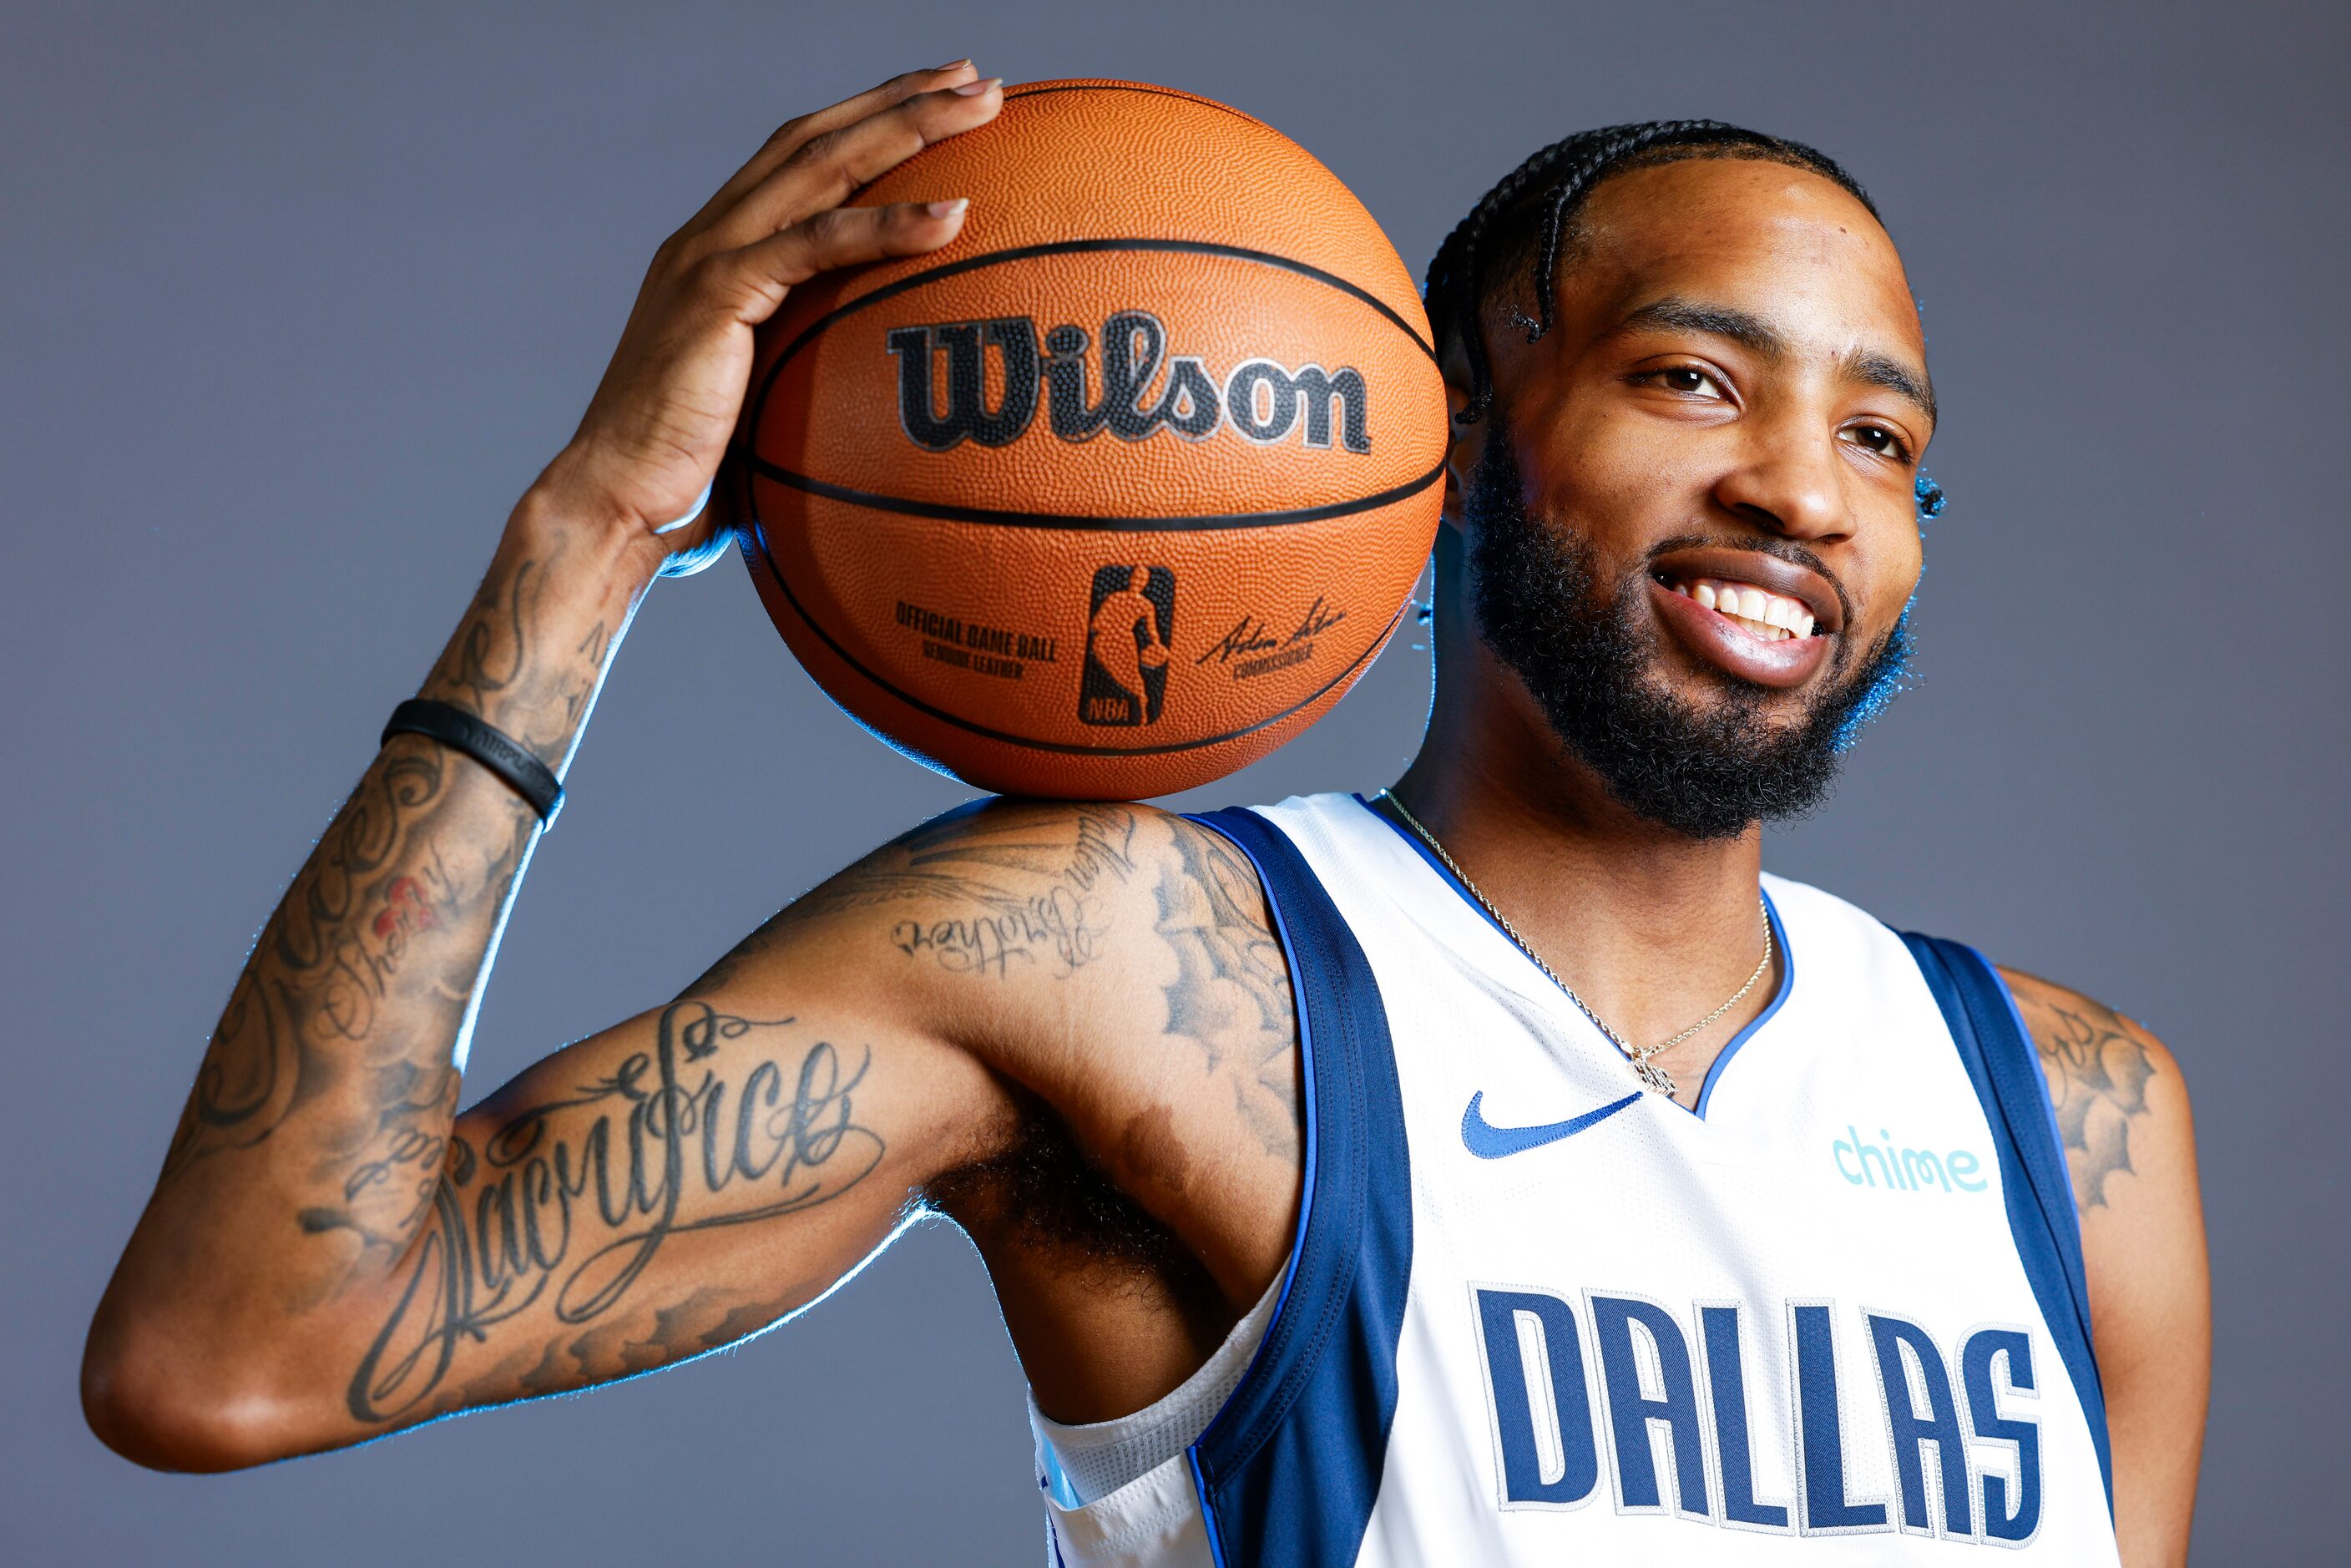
1768,617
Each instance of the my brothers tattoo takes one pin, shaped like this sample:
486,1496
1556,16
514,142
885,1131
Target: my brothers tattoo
1006,889
1033,879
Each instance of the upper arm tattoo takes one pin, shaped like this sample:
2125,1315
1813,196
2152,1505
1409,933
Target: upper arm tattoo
1009,889
1231,995
567,1198
2098,1068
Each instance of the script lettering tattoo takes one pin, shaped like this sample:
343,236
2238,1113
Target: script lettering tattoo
1011,888
989,944
385,911
2099,1071
1231,992
343,939
570,1200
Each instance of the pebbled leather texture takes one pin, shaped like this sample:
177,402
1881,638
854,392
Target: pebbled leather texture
1051,590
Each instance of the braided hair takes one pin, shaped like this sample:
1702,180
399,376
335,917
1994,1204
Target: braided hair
1534,208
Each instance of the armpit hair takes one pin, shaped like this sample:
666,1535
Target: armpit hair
1040,1190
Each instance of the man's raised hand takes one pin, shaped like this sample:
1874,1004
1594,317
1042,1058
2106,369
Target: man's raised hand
659,424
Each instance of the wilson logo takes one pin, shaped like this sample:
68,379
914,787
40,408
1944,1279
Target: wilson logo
981,381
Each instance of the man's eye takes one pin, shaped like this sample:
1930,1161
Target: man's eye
1876,438
1688,379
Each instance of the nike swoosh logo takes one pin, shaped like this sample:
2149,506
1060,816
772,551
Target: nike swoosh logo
1488,1142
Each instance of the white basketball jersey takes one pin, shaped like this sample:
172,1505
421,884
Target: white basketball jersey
1535,1315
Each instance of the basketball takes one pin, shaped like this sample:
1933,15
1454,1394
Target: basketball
1124,487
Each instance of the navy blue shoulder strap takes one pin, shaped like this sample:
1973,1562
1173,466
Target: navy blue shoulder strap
1288,1471
2005,1066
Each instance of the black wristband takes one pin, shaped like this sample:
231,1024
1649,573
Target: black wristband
525,775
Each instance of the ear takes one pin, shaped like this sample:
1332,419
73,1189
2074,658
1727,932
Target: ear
1465,443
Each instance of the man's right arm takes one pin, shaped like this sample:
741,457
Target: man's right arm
320,1174
671,1184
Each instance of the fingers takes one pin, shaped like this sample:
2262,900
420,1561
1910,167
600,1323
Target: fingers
750,282
829,167
794,134
790,139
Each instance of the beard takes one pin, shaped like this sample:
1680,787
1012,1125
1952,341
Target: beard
1586,658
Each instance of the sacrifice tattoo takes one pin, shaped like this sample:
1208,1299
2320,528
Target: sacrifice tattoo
571,1200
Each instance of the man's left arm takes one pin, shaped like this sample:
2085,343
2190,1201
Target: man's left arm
2130,1147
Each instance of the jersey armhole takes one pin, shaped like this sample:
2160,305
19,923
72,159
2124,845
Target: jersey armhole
2004,1066
1289,1469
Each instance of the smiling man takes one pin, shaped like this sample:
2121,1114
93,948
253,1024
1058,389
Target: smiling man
1501,1169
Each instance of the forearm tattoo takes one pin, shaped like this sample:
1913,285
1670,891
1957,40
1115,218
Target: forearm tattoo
336,1063
365,971
498,668
312,1004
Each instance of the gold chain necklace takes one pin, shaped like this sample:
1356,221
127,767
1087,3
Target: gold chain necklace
1652,1076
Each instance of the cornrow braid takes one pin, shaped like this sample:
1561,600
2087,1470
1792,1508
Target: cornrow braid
1544,193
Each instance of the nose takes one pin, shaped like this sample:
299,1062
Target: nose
1787,481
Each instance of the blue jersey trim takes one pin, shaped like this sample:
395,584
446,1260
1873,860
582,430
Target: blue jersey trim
1722,1058
1289,1470
2005,1068
1779,1000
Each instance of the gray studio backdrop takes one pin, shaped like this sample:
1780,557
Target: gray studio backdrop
294,300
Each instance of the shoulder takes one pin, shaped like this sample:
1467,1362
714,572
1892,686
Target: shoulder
1002,899
2120,1097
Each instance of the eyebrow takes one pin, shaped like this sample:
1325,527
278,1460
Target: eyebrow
1752,332
1885,371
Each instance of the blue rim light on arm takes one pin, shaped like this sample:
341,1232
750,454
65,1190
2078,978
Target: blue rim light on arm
685,563
701,503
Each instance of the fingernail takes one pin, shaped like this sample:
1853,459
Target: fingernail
974,88
947,209
952,65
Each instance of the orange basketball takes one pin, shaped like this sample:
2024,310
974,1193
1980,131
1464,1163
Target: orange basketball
1126,486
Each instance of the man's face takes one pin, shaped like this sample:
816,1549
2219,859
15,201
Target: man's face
1695,534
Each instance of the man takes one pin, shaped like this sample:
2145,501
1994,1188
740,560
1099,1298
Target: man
1386,1182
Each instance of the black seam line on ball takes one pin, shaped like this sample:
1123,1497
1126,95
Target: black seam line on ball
1085,246
1106,523
1065,749
1040,90
1043,90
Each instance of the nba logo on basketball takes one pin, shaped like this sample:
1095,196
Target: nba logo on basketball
1130,628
